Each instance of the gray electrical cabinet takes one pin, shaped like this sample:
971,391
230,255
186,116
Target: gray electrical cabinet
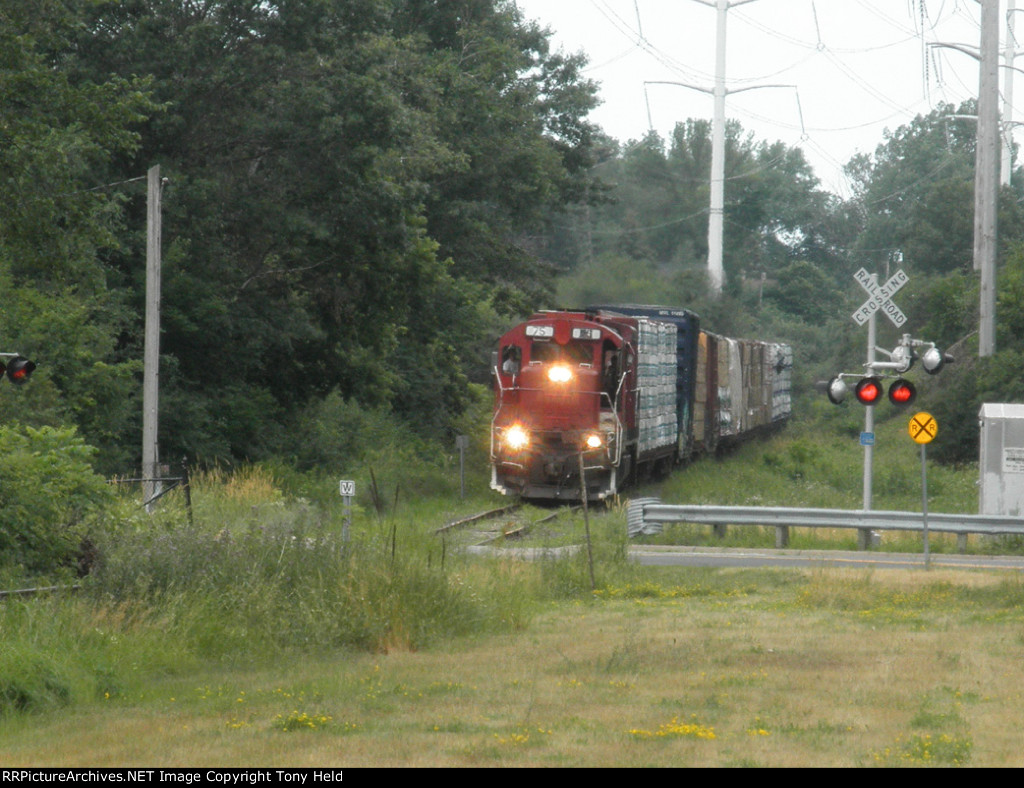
1002,459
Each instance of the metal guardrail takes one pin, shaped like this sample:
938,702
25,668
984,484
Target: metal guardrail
647,515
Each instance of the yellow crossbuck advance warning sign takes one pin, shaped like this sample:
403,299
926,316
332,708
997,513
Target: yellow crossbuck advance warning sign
923,428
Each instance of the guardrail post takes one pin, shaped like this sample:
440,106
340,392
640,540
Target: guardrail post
781,536
961,543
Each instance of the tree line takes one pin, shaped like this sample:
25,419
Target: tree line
362,193
355,192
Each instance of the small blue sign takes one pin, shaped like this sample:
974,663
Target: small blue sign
867,439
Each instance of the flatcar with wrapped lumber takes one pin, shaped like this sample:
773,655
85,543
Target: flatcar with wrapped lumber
618,391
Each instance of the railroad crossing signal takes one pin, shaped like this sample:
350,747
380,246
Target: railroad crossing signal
880,297
923,428
902,392
18,369
868,391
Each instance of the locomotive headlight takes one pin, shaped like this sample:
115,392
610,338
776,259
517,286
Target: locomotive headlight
517,438
593,441
559,374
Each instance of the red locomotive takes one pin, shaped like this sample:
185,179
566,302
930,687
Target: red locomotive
617,390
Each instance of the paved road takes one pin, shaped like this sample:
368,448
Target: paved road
657,555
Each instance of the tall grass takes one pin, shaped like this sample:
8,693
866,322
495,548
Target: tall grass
255,571
253,575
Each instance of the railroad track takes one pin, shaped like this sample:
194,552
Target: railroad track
505,523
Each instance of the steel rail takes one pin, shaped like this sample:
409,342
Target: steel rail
490,513
23,592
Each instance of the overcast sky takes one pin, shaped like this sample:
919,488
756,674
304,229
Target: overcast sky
852,68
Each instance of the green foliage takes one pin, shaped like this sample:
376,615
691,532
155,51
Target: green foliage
62,650
802,289
49,496
658,211
361,192
956,399
620,279
916,192
956,394
32,678
341,434
59,137
279,575
347,192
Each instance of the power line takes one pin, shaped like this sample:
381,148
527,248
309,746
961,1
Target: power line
102,188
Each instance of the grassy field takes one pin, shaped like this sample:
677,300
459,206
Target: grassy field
254,638
689,668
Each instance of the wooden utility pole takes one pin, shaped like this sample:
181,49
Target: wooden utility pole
986,167
151,366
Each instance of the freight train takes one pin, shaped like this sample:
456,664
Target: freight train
613,392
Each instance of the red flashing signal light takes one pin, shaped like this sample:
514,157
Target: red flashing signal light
902,392
868,391
18,369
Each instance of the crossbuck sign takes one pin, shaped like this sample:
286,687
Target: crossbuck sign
880,297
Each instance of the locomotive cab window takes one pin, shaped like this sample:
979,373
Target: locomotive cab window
610,369
511,359
549,352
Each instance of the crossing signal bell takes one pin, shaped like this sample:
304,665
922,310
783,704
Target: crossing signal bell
18,369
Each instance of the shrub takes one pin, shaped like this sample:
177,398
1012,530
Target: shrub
48,496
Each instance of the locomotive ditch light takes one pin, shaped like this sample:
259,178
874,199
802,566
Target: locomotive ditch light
837,391
516,438
902,392
868,391
593,441
18,369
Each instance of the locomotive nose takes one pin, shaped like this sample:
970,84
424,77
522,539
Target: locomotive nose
554,469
